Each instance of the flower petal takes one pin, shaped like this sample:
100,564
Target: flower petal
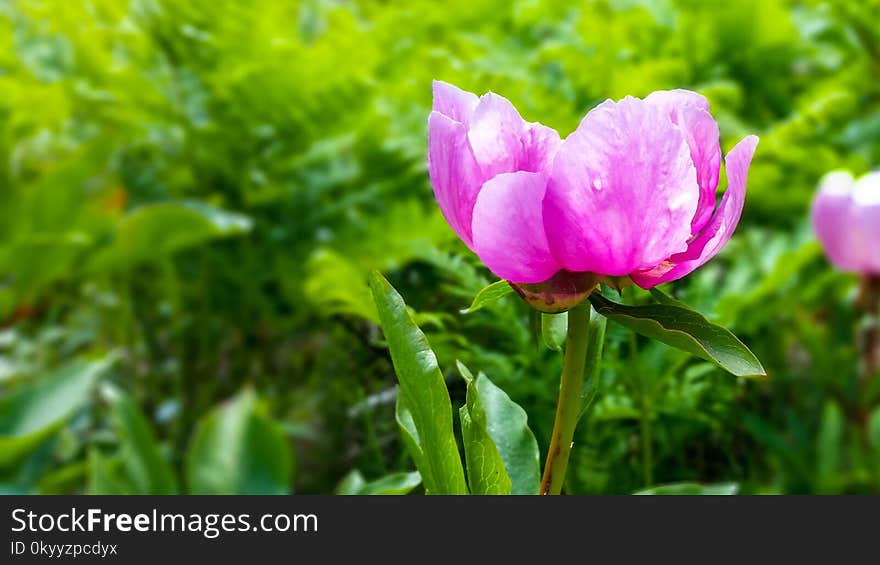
833,222
690,111
677,98
540,145
509,230
623,191
454,173
453,102
496,135
701,134
717,231
862,244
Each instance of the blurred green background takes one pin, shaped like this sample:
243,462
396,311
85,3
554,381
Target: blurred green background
194,193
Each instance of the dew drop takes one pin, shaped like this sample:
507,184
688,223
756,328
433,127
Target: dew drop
597,184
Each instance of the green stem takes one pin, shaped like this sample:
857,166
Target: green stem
869,349
569,404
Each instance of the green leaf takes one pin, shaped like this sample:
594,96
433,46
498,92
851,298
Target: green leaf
684,329
506,424
31,414
664,298
593,365
326,270
238,449
829,441
395,483
554,328
485,468
874,429
38,260
489,294
424,411
104,475
693,488
157,231
142,463
66,479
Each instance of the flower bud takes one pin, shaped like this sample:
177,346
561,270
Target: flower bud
561,292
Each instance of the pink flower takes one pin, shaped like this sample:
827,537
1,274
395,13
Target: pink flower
846,217
630,192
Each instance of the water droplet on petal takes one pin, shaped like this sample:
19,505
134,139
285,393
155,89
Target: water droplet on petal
597,184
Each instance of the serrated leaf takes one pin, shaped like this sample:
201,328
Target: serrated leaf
684,329
424,411
489,294
554,328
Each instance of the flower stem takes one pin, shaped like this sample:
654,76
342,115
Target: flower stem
869,346
869,301
568,407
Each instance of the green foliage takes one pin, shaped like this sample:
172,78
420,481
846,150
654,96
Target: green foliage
237,449
499,426
32,413
489,294
677,325
395,483
201,191
141,466
485,467
156,231
554,328
593,367
692,489
424,412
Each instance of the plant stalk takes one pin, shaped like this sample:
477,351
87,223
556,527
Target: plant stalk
869,302
869,347
569,404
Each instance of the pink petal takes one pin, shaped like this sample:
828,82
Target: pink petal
865,233
717,232
540,145
677,98
833,221
701,134
496,135
454,173
690,111
623,191
453,102
508,228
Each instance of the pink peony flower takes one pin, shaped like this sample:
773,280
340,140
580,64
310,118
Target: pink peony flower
846,218
630,192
